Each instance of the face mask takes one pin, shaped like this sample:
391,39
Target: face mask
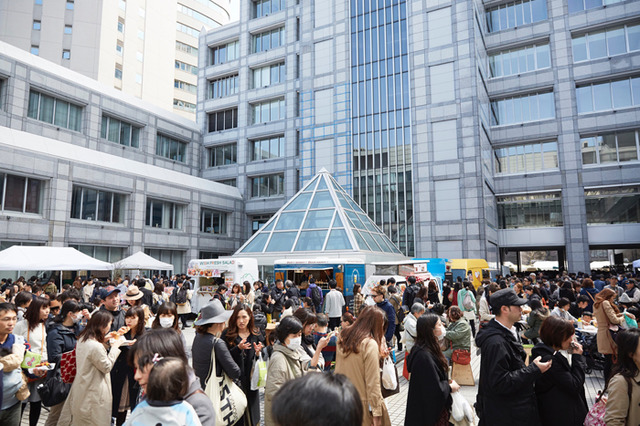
295,343
77,318
166,322
369,301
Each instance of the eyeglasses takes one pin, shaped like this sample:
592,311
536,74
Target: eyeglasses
56,308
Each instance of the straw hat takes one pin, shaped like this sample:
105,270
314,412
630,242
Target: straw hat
133,293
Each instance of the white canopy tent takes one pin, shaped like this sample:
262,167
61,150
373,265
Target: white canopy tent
636,264
142,261
45,258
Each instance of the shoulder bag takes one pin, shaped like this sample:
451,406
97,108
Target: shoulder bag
68,366
229,402
53,390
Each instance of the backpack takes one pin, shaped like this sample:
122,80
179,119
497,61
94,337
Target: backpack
316,296
181,296
467,302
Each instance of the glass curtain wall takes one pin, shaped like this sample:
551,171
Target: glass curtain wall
382,180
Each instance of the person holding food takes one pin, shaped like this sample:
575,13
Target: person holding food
124,388
89,401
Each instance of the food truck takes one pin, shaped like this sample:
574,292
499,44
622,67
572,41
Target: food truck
346,272
400,270
208,274
475,270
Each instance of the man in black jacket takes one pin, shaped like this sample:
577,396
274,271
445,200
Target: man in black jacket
279,296
112,305
505,393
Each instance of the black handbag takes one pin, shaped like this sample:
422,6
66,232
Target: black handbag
53,390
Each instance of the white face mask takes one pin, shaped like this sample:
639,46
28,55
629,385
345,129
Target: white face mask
295,343
443,332
77,318
369,301
166,322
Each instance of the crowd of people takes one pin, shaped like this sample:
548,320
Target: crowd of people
325,361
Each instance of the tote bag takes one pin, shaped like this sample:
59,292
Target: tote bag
68,366
229,402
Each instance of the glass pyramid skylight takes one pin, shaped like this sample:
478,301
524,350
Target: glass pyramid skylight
320,218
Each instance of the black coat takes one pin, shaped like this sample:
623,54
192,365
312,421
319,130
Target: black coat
118,318
122,373
60,339
560,390
429,390
505,392
245,359
203,346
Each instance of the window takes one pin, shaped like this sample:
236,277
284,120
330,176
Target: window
213,222
258,222
612,205
20,194
520,60
171,148
184,105
121,132
187,30
231,182
138,78
106,254
185,48
141,34
608,95
70,5
118,72
223,155
527,158
223,120
119,47
122,4
267,186
268,75
516,14
93,204
197,15
163,214
120,25
580,5
225,53
175,257
183,85
68,29
139,56
529,211
267,40
186,67
610,42
267,111
273,147
35,50
522,109
66,54
610,148
54,111
37,25
225,86
260,8
39,2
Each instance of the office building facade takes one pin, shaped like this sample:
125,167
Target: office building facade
87,166
143,48
498,130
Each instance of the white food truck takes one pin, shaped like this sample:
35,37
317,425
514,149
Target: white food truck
208,274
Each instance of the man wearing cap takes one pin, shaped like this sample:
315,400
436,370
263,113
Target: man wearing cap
112,305
505,392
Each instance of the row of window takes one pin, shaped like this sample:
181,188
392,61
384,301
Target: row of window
527,158
260,42
608,95
261,77
224,86
187,87
522,109
260,8
610,42
607,148
68,115
261,112
520,60
186,67
225,53
262,149
197,15
603,206
37,26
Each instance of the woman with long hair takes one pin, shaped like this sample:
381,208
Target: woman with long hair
429,377
538,314
607,314
249,294
89,401
623,404
560,390
33,329
360,349
124,387
167,317
358,299
433,293
61,338
309,321
589,290
245,342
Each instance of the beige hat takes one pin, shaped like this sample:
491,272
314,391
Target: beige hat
133,293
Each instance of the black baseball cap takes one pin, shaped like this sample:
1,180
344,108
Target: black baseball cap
505,297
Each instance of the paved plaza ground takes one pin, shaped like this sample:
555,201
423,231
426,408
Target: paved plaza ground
396,403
